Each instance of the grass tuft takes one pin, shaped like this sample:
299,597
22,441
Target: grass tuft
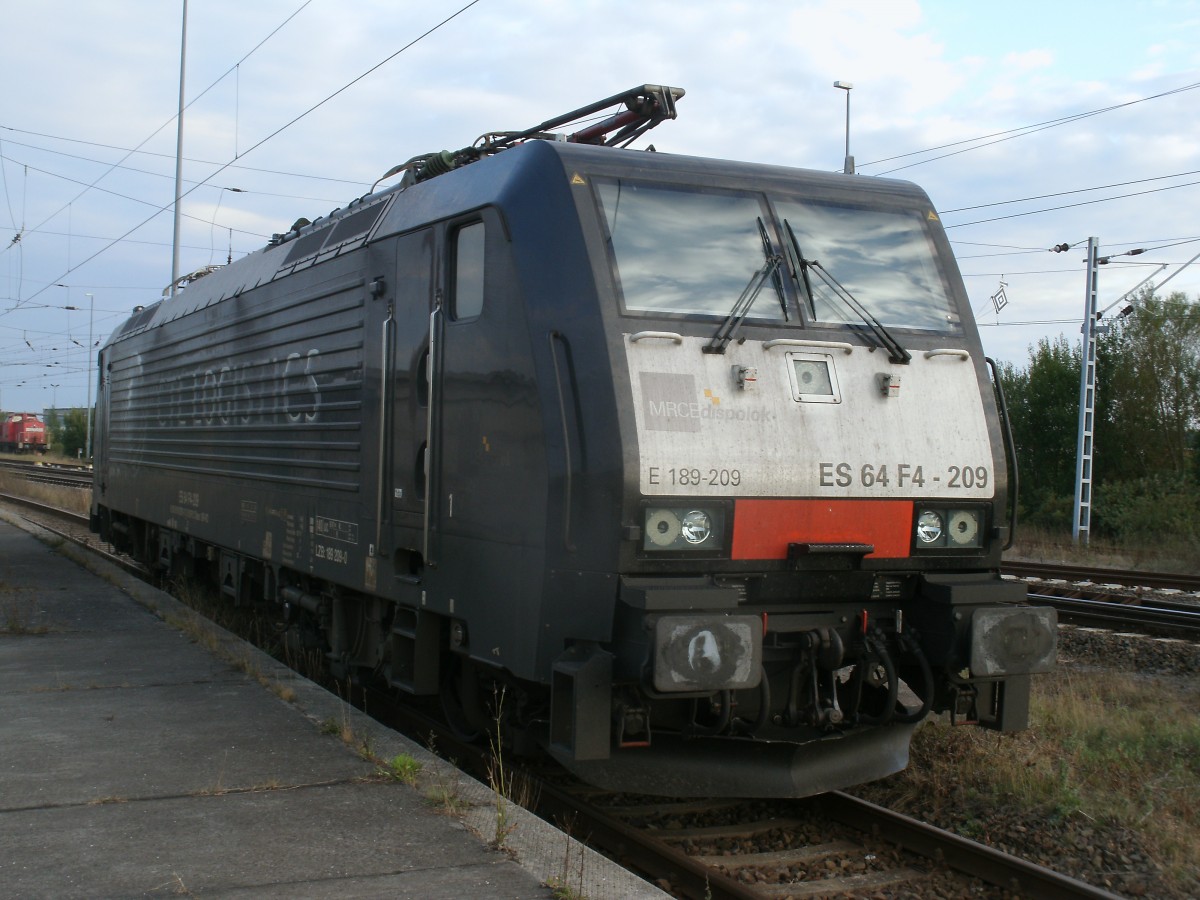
442,789
402,768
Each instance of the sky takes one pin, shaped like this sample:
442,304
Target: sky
1030,125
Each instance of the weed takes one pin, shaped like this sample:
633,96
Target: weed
19,615
218,789
284,692
343,730
402,768
499,777
196,629
442,789
561,890
509,785
244,663
174,886
366,749
561,885
443,792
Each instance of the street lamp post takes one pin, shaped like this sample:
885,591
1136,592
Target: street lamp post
847,86
88,361
178,158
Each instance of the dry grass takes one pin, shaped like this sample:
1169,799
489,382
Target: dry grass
1127,751
1105,751
1163,554
74,500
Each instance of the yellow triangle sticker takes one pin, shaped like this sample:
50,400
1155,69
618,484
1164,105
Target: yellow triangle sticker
932,216
577,179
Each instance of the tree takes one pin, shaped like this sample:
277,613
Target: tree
73,434
1043,403
1147,487
53,421
1153,382
1145,475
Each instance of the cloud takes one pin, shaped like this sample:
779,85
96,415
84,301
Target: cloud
1029,60
759,81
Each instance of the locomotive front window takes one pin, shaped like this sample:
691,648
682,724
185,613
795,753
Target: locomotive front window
685,251
884,258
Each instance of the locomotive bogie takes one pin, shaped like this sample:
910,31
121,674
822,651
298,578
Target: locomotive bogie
591,428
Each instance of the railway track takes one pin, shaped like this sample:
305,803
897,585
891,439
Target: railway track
1162,619
834,845
74,527
1119,599
49,473
1096,577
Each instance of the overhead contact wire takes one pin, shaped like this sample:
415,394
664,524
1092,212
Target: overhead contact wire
130,153
251,149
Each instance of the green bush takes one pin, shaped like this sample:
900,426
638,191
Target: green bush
1153,509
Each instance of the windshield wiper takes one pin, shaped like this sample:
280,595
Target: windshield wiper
776,277
749,294
896,353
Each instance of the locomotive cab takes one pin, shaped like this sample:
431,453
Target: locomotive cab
815,488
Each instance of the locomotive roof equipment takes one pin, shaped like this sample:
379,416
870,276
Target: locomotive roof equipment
645,107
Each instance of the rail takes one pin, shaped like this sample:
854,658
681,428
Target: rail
1166,621
1127,577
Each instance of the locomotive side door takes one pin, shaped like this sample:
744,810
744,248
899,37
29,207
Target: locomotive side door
486,495
406,264
467,335
410,393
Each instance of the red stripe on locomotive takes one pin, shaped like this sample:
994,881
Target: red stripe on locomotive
762,529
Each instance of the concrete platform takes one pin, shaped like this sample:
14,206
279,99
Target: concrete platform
145,751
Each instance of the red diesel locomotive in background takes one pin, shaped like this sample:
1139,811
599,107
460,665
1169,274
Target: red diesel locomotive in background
23,433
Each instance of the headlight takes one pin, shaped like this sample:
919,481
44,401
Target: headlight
662,528
929,527
964,528
682,528
696,526
953,528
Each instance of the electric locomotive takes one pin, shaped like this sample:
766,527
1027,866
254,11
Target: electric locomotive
688,472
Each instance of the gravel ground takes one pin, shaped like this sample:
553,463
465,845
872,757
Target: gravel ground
1127,652
850,855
